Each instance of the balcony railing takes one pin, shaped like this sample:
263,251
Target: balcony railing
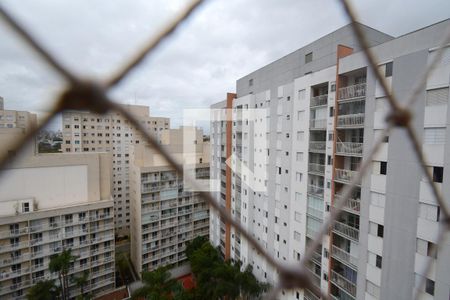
319,100
346,231
344,256
350,121
352,91
317,146
315,190
318,124
316,168
314,212
309,295
352,205
344,175
349,149
343,283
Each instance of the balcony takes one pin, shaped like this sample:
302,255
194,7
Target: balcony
346,231
349,149
344,257
352,92
344,283
315,190
314,212
315,277
351,205
319,100
319,124
350,121
317,146
316,168
345,176
309,295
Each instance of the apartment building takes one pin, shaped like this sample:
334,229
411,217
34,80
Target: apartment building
88,132
324,110
15,118
52,202
165,212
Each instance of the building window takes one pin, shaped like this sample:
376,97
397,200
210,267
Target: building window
434,136
383,168
378,261
438,174
331,111
25,207
250,82
380,231
308,57
388,70
429,287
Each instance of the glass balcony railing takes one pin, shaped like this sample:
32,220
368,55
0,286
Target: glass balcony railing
316,168
318,124
317,146
343,283
352,205
344,257
350,121
344,175
352,91
349,149
319,100
346,231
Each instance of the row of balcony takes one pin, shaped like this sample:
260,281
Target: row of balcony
346,231
352,92
345,175
344,257
316,168
351,204
343,283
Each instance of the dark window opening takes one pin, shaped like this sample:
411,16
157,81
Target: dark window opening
438,174
388,71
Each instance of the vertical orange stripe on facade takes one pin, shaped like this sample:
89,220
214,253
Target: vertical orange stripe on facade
229,127
342,51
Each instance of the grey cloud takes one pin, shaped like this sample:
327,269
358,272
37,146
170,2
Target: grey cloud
224,41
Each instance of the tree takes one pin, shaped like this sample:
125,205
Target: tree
60,264
157,286
81,282
43,290
219,279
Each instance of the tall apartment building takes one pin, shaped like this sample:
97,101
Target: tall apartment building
324,110
165,212
88,132
53,202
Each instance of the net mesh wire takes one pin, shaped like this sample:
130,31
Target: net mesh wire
83,94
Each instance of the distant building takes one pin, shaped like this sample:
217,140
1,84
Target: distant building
88,132
16,118
324,109
52,202
165,213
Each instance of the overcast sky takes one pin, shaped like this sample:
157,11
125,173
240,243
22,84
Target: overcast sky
224,41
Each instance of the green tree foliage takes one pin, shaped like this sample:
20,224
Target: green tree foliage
60,264
219,279
43,290
81,282
158,286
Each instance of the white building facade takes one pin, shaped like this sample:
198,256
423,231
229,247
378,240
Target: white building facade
88,132
322,119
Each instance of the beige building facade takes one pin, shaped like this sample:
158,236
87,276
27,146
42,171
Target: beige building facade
49,203
165,212
88,132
